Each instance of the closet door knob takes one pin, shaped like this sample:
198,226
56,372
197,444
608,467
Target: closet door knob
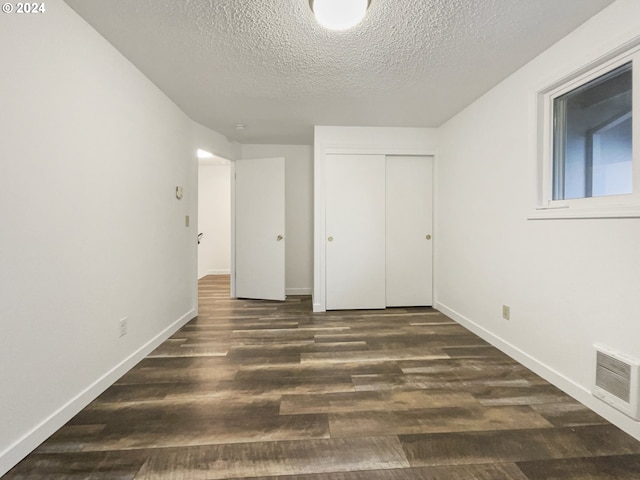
428,237
330,239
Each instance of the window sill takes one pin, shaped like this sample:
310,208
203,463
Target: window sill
567,212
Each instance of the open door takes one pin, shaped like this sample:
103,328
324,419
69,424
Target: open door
259,229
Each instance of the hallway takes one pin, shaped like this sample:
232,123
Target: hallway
256,389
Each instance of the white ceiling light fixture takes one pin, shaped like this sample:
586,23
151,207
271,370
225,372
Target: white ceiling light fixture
339,14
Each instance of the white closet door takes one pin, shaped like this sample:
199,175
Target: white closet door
355,229
409,224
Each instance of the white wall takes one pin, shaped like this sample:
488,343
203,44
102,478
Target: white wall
355,140
214,219
298,211
215,143
92,231
570,283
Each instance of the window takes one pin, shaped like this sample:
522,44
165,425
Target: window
592,138
588,163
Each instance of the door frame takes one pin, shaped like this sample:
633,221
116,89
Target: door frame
216,161
363,144
232,264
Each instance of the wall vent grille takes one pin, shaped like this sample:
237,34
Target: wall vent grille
616,381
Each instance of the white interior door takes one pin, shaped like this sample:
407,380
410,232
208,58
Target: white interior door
259,229
409,230
355,228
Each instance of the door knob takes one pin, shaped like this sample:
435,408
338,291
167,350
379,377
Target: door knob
428,237
279,237
330,239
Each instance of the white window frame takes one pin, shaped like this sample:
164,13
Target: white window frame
612,206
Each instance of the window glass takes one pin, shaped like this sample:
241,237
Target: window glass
592,154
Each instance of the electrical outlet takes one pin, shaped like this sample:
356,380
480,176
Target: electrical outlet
124,326
506,312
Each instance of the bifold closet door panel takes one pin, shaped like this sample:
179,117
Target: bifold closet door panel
355,231
409,224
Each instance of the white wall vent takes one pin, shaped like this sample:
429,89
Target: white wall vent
617,381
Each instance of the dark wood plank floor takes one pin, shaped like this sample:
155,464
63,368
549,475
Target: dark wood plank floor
267,390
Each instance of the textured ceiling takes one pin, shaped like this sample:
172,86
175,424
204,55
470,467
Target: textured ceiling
267,64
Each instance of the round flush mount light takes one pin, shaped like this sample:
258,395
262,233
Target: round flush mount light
339,14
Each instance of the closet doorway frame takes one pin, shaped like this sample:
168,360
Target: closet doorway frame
402,142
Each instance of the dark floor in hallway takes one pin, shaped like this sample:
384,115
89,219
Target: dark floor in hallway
268,390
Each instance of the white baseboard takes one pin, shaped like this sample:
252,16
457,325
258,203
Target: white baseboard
317,308
298,291
30,441
219,272
564,383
